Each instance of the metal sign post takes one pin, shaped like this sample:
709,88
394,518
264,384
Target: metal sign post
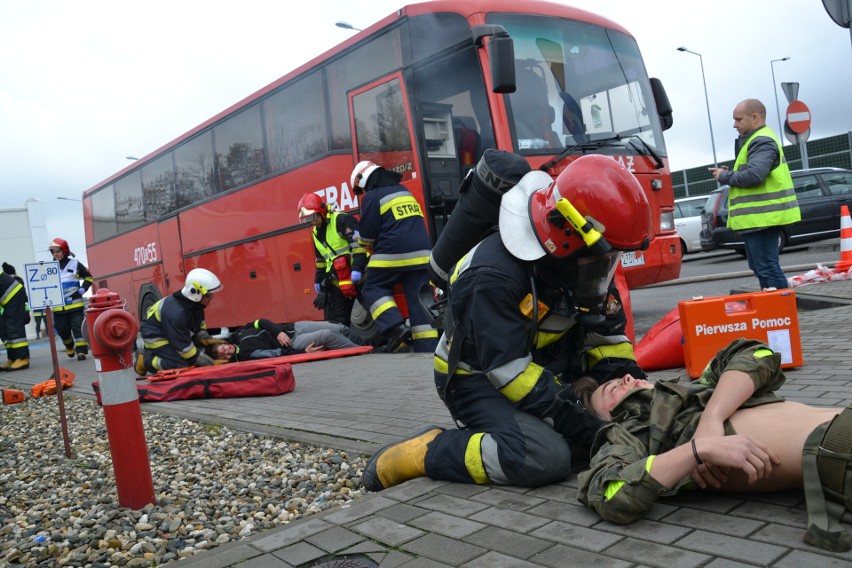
44,290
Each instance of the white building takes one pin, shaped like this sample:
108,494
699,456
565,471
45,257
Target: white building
23,239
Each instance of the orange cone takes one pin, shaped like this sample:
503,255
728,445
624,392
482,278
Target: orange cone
662,347
845,240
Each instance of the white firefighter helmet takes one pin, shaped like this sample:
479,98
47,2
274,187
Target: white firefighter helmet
361,174
199,282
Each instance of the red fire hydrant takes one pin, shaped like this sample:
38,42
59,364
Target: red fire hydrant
112,332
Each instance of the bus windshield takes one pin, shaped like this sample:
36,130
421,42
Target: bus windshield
577,82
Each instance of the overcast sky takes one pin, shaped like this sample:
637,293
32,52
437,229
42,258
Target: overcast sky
85,84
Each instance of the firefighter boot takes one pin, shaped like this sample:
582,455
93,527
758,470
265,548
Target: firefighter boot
139,367
81,356
19,364
399,462
70,351
5,366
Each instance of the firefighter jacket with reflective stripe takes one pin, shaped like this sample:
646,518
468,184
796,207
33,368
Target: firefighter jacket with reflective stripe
393,227
491,300
260,335
71,272
178,323
338,236
768,204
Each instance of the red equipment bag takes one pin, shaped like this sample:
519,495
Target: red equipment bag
251,378
344,276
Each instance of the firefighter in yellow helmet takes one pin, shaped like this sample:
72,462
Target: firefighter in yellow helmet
529,308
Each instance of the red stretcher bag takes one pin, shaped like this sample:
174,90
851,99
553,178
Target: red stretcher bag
252,378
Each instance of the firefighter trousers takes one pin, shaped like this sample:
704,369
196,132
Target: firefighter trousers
13,329
499,444
378,297
69,326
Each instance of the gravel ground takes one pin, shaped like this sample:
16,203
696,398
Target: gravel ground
212,485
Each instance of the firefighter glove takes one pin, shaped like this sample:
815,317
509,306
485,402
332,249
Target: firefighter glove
321,300
574,422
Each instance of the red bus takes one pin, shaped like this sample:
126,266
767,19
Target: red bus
424,91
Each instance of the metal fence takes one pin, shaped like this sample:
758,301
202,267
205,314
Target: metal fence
834,151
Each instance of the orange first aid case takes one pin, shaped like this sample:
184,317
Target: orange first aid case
710,324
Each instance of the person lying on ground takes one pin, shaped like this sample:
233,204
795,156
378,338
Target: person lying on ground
262,339
727,431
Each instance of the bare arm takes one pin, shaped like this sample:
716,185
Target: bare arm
732,390
738,452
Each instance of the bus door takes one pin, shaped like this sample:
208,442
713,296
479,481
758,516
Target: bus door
382,130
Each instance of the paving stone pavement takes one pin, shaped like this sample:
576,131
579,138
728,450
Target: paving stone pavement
361,403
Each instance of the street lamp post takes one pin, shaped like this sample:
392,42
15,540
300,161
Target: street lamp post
346,26
707,101
132,158
775,91
69,199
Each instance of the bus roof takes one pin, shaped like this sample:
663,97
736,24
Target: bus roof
466,8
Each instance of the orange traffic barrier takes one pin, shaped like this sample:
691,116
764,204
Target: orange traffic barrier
12,396
709,324
845,240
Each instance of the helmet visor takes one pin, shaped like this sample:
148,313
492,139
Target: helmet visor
594,273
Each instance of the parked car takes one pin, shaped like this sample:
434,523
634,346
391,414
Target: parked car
820,193
687,215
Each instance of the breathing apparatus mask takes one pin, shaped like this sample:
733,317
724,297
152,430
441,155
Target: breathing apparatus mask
579,225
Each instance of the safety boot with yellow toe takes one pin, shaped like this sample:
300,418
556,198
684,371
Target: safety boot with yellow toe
6,365
71,352
399,462
19,364
139,366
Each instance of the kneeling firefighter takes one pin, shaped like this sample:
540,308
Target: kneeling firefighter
528,303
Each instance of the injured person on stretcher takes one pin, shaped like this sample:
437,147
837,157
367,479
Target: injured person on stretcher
262,338
727,431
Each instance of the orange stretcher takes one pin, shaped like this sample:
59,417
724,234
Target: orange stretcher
709,324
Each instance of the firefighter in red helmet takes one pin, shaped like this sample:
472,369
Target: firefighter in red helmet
529,308
340,260
68,319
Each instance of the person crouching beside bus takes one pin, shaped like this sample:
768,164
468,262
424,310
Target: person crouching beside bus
393,229
340,260
68,319
174,334
13,320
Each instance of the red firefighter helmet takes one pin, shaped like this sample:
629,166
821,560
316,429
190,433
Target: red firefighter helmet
594,202
311,204
61,244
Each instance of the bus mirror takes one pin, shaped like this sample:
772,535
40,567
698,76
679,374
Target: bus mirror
501,54
664,107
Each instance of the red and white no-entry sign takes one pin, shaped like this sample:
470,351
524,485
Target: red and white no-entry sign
798,117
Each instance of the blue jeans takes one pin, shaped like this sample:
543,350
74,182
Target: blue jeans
762,254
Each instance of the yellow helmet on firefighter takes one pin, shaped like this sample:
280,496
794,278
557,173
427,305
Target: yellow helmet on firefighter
595,205
200,282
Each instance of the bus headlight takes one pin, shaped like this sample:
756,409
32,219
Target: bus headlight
667,221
